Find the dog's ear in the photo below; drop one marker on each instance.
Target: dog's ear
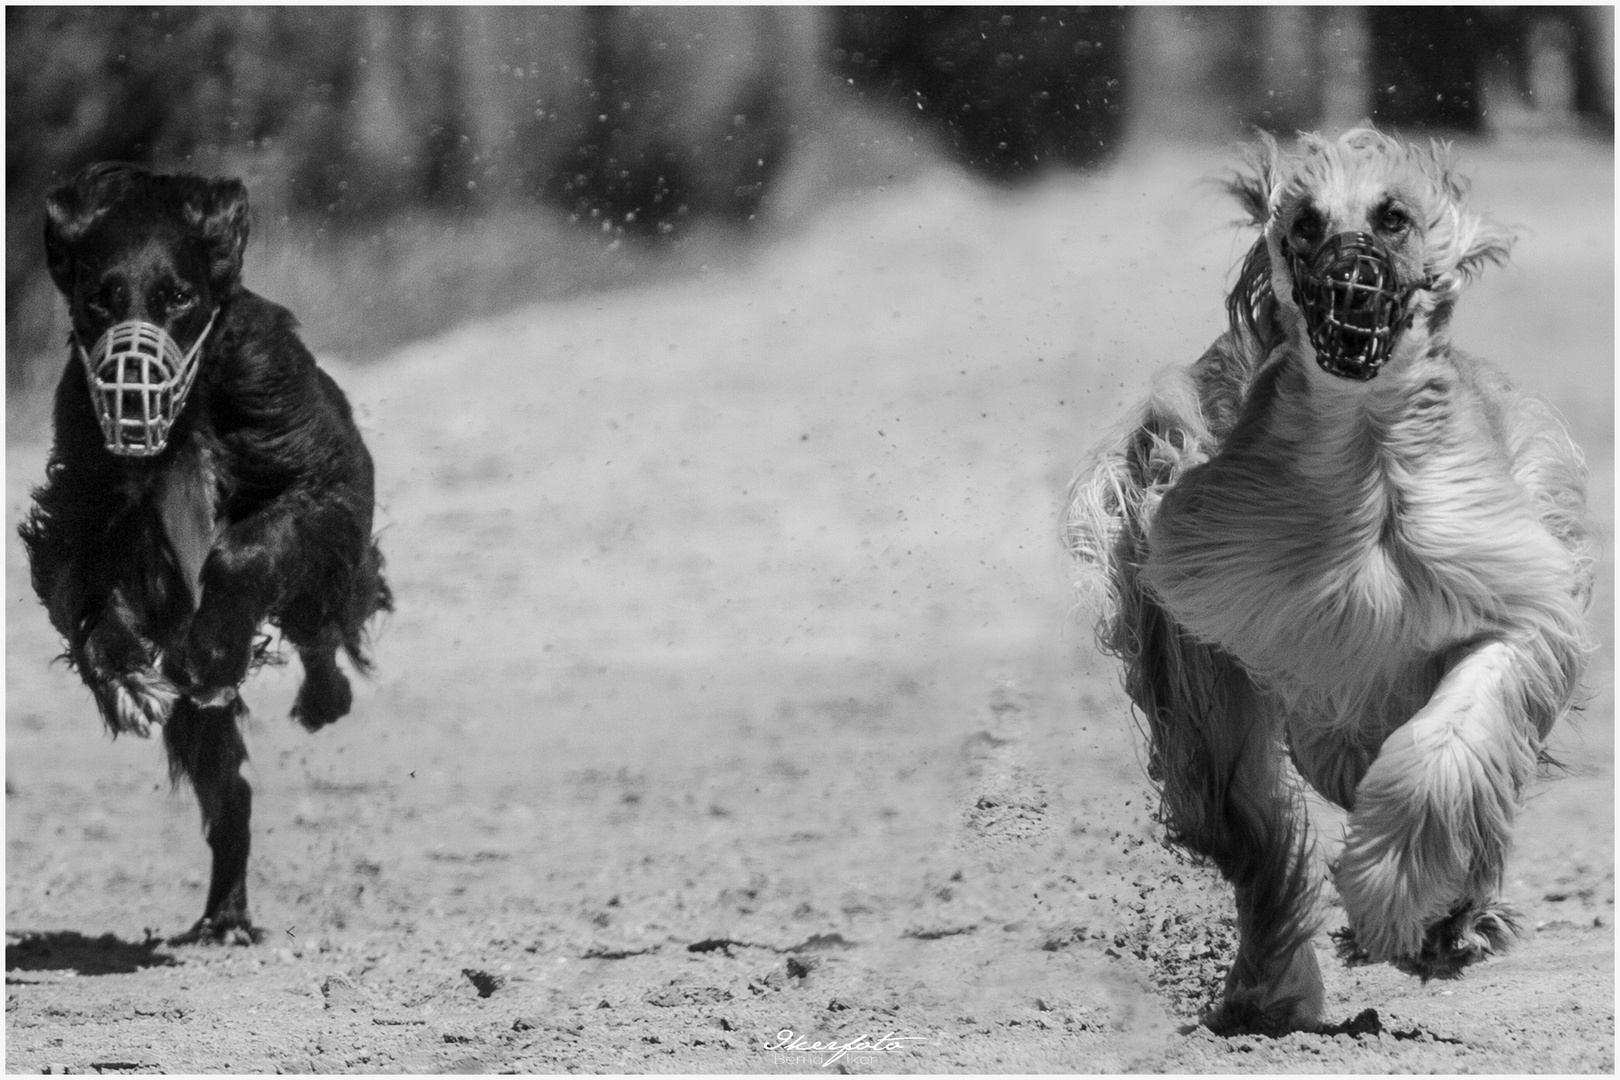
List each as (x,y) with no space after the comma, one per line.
(73,207)
(218,210)
(1467,241)
(65,222)
(1478,242)
(1252,183)
(1251,305)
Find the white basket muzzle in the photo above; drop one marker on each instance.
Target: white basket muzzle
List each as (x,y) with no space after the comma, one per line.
(139,380)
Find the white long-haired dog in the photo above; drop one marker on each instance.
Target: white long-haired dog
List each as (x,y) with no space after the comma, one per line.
(1337,537)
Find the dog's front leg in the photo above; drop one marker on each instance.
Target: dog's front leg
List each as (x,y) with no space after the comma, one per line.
(1432,822)
(240,582)
(115,660)
(1218,758)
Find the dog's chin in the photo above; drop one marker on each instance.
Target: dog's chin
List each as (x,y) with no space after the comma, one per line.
(1342,374)
(1350,370)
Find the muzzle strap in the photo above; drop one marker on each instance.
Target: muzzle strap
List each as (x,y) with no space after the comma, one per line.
(138,380)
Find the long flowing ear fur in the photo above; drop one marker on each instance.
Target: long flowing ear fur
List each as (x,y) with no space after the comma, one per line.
(1254,181)
(1477,241)
(1466,242)
(1250,306)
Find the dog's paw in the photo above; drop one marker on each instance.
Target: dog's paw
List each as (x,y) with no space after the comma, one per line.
(322,700)
(1253,1012)
(219,649)
(1348,949)
(1466,936)
(226,929)
(1469,934)
(211,665)
(1286,995)
(132,702)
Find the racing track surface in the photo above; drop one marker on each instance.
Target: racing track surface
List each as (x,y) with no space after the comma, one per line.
(735,689)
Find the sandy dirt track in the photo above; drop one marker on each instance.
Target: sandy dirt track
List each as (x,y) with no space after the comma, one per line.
(735,689)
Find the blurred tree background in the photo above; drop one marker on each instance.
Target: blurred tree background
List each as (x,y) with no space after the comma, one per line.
(414,166)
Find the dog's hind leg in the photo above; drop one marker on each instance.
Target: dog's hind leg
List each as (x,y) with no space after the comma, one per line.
(319,629)
(205,746)
(1432,823)
(1217,754)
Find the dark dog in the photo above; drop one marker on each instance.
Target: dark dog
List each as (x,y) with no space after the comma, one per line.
(206,477)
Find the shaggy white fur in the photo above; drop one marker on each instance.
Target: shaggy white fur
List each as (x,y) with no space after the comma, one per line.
(1388,578)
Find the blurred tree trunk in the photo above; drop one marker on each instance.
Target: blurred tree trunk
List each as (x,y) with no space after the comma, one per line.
(690,111)
(1597,39)
(1184,76)
(1014,91)
(1289,75)
(521,76)
(1346,75)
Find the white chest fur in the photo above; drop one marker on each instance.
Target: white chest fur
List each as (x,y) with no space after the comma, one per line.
(187,501)
(1344,538)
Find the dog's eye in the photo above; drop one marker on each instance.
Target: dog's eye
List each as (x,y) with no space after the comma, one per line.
(179,298)
(1394,220)
(99,302)
(1308,225)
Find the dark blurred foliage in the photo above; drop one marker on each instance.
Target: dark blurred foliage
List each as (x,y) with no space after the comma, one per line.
(1197,72)
(1012,90)
(689,111)
(348,117)
(349,121)
(1424,66)
(1507,41)
(1429,63)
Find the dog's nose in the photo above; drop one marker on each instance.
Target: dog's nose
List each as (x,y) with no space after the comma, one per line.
(1356,272)
(142,308)
(1361,277)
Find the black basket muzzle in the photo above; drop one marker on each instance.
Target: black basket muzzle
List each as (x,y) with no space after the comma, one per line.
(138,380)
(1352,301)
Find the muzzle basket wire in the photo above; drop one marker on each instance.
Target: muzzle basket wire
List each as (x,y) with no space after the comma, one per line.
(138,381)
(1352,302)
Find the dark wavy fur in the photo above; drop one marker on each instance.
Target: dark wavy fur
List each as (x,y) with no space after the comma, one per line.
(160,573)
(1224,799)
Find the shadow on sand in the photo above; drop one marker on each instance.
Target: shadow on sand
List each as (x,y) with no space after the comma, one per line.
(68,950)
